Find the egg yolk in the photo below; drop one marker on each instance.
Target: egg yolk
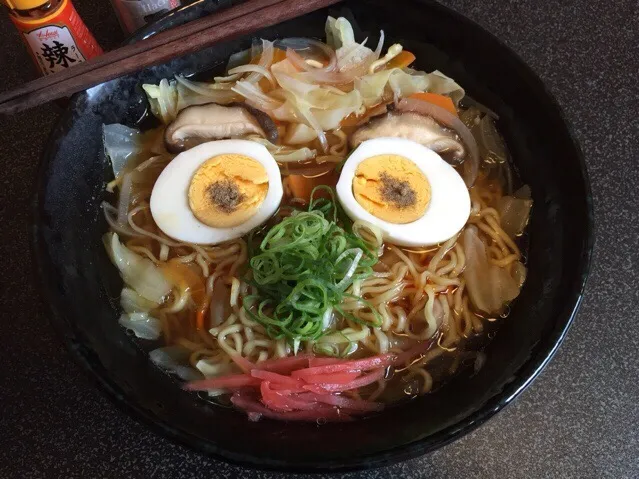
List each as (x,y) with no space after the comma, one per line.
(391,188)
(227,190)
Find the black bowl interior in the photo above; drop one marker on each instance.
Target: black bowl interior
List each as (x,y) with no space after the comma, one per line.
(82,287)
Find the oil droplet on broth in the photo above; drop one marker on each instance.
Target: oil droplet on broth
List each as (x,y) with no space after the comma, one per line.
(320,421)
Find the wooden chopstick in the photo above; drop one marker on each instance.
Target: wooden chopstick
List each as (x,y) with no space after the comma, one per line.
(231,23)
(154,41)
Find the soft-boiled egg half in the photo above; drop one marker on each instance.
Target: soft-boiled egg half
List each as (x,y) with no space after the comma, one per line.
(406,190)
(216,192)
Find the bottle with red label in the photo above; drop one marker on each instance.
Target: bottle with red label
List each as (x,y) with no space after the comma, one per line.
(53,31)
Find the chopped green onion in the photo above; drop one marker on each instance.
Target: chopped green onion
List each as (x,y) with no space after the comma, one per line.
(302,268)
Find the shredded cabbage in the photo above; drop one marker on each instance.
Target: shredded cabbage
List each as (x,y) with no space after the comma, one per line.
(132,302)
(142,325)
(139,273)
(121,143)
(163,99)
(349,53)
(514,213)
(443,85)
(168,98)
(490,287)
(175,359)
(339,32)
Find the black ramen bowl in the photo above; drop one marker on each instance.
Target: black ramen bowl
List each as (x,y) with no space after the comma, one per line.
(82,287)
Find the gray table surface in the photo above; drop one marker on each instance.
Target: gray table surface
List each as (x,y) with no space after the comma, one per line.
(579,419)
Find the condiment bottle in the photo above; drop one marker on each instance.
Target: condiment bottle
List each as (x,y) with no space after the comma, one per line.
(53,31)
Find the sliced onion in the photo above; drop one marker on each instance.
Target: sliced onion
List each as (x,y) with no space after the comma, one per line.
(313,171)
(228,78)
(447,119)
(212,90)
(380,45)
(110,214)
(258,70)
(255,96)
(301,44)
(265,62)
(240,58)
(296,156)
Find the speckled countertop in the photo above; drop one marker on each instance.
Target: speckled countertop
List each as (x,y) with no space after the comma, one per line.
(580,418)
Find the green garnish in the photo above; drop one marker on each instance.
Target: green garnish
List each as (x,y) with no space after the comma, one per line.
(302,269)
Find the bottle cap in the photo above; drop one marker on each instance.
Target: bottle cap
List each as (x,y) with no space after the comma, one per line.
(24,4)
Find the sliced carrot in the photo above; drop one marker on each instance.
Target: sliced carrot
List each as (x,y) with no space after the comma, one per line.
(302,186)
(199,318)
(402,60)
(439,100)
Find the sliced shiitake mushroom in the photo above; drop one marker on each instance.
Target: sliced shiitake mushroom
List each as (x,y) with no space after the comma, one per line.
(429,125)
(198,124)
(413,126)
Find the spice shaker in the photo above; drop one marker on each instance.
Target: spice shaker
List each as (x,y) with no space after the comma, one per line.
(53,31)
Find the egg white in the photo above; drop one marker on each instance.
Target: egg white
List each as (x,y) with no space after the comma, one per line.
(449,206)
(170,202)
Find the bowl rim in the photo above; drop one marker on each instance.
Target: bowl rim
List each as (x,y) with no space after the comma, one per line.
(544,350)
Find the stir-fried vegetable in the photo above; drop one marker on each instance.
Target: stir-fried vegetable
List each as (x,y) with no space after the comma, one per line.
(139,273)
(302,269)
(142,325)
(442,101)
(489,286)
(307,82)
(121,143)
